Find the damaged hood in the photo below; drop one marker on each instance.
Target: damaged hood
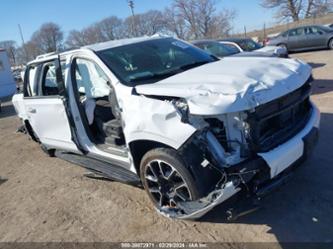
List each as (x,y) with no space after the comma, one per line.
(232,84)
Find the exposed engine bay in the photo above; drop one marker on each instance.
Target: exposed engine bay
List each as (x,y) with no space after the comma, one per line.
(226,150)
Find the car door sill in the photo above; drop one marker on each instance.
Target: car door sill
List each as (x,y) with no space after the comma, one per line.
(113,149)
(109,170)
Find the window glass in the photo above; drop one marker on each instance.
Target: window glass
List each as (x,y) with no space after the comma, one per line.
(285,34)
(232,48)
(220,50)
(248,45)
(326,29)
(296,32)
(90,79)
(153,60)
(49,81)
(313,31)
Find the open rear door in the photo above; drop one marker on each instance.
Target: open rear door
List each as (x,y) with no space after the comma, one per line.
(46,107)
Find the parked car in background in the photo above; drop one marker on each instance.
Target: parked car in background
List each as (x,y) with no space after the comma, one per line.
(305,38)
(223,49)
(160,113)
(215,48)
(249,45)
(7,83)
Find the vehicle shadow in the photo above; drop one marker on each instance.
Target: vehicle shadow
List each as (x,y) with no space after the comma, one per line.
(316,65)
(307,51)
(2,180)
(301,210)
(320,86)
(7,110)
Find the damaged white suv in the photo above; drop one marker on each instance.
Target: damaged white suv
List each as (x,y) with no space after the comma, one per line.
(191,129)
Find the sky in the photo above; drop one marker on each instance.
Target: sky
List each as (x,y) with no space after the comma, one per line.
(77,14)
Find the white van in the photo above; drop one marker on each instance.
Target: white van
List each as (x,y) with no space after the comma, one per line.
(7,83)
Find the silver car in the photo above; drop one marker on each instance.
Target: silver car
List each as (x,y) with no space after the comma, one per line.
(222,49)
(304,38)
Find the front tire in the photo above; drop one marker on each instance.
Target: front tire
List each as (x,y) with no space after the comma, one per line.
(166,178)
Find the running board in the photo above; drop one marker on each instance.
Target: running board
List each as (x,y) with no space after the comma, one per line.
(107,170)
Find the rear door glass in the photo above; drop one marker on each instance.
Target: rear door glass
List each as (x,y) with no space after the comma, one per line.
(296,32)
(49,86)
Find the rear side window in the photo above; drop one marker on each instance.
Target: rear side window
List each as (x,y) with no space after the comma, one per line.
(49,86)
(41,80)
(313,31)
(296,32)
(285,34)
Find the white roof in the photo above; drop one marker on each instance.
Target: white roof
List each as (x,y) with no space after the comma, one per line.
(98,47)
(122,42)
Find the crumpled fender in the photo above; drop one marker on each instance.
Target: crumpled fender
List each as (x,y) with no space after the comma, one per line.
(196,209)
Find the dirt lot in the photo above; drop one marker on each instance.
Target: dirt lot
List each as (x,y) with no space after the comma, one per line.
(47,199)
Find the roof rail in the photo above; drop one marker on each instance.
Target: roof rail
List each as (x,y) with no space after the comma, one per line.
(45,55)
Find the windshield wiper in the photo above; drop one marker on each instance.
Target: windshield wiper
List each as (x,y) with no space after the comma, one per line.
(193,65)
(154,76)
(163,75)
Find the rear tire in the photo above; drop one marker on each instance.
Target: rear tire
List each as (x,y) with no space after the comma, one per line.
(166,179)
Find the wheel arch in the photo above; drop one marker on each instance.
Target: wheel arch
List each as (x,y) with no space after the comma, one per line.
(192,156)
(329,41)
(139,148)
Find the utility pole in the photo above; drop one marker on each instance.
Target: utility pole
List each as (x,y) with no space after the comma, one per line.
(131,5)
(24,48)
(21,34)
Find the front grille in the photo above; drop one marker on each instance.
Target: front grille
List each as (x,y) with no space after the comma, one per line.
(276,122)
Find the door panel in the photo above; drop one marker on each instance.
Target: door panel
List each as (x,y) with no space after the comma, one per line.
(49,121)
(315,37)
(297,39)
(44,103)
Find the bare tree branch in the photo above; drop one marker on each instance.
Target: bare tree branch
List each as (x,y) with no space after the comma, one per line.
(297,9)
(48,38)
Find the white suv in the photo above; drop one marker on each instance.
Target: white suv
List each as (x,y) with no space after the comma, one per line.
(191,129)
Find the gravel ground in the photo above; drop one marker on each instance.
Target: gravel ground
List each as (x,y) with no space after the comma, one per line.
(47,199)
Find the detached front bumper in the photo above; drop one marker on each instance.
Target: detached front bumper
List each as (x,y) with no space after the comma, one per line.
(278,163)
(286,154)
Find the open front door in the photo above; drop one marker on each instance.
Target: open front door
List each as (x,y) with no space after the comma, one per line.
(46,108)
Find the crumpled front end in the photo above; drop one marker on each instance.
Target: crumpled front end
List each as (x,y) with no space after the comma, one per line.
(197,209)
(250,150)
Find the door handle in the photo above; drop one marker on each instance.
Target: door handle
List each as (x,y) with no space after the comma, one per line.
(32,110)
